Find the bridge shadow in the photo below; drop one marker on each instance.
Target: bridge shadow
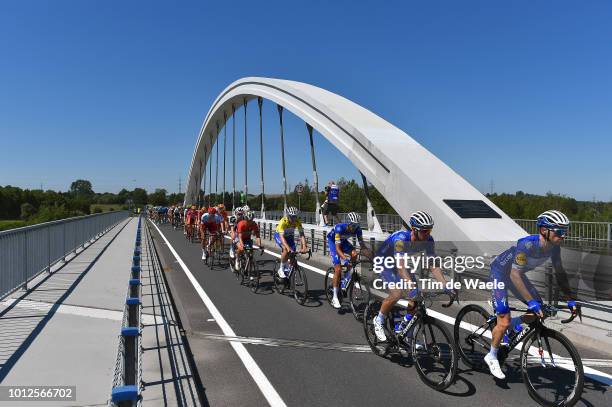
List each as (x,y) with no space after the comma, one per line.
(26,316)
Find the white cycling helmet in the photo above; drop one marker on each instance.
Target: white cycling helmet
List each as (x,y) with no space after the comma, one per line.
(249,215)
(421,220)
(238,211)
(353,217)
(246,208)
(553,219)
(292,211)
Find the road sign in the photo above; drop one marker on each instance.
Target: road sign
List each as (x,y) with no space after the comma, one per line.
(299,188)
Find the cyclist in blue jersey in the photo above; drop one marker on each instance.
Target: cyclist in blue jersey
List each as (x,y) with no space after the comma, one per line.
(510,267)
(416,240)
(330,205)
(342,251)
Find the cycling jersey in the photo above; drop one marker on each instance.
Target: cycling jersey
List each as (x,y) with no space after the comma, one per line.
(208,219)
(246,228)
(287,228)
(333,194)
(340,235)
(400,243)
(526,255)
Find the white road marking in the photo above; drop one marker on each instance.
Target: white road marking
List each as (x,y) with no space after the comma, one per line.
(256,373)
(76,310)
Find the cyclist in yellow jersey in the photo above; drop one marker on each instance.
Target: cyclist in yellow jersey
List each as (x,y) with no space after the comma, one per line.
(284,237)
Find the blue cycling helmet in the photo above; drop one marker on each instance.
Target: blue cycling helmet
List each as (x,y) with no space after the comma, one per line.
(553,219)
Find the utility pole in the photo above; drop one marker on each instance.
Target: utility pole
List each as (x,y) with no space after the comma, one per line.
(179,185)
(492,186)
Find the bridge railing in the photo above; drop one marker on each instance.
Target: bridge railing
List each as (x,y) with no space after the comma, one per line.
(127,378)
(28,251)
(578,231)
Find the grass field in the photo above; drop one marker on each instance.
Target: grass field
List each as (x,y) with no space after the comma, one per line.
(11,224)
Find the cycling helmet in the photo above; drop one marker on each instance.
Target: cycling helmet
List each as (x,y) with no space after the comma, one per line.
(239,211)
(212,211)
(246,208)
(249,215)
(232,220)
(292,211)
(353,217)
(553,219)
(421,220)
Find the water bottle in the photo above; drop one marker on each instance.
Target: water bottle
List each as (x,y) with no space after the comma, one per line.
(397,321)
(404,321)
(345,280)
(514,328)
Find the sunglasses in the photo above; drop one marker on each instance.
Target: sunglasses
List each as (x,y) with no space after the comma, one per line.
(559,232)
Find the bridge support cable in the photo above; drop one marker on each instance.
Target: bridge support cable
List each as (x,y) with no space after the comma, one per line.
(233,157)
(282,138)
(246,177)
(373,224)
(318,217)
(201,193)
(261,158)
(210,171)
(217,166)
(224,151)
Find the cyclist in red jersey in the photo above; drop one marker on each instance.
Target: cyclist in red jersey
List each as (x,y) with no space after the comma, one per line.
(246,228)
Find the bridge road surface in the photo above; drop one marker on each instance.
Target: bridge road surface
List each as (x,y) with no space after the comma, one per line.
(307,375)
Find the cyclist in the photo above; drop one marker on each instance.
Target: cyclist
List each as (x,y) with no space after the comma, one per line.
(221,210)
(210,222)
(412,241)
(284,237)
(190,221)
(510,267)
(245,229)
(341,250)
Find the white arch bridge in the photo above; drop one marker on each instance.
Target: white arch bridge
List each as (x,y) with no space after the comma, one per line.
(406,174)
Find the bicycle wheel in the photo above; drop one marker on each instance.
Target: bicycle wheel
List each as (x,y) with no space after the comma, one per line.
(279,283)
(370,312)
(299,284)
(238,271)
(552,371)
(472,335)
(359,296)
(253,273)
(329,288)
(434,353)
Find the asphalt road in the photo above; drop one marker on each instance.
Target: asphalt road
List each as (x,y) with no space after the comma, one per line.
(308,355)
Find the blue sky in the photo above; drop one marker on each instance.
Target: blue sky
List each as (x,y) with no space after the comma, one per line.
(115,92)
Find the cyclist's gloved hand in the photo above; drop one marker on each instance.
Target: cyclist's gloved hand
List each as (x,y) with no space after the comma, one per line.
(534,305)
(346,261)
(571,304)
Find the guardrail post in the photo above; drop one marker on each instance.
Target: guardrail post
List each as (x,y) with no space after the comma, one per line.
(130,336)
(64,242)
(324,244)
(133,303)
(49,248)
(312,240)
(25,260)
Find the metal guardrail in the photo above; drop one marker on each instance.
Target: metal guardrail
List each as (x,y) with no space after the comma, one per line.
(26,252)
(578,231)
(127,378)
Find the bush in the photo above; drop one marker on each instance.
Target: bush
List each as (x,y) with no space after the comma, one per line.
(97,209)
(27,210)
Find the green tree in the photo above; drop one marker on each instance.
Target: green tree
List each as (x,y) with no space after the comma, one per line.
(139,196)
(81,188)
(27,210)
(158,198)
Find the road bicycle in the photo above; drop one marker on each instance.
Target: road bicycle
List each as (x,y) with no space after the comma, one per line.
(550,364)
(423,337)
(295,280)
(352,285)
(248,270)
(215,249)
